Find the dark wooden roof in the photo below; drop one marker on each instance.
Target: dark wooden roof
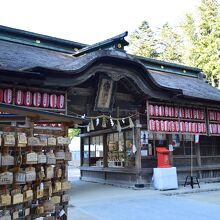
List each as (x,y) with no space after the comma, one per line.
(15,56)
(54,68)
(39,40)
(191,87)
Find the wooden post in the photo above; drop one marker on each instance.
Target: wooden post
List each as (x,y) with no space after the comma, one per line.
(137,142)
(198,157)
(105,151)
(81,151)
(169,141)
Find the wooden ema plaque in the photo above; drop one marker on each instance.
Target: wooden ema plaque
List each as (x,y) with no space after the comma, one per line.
(17,198)
(52,141)
(5,200)
(21,140)
(6,178)
(7,160)
(31,158)
(9,140)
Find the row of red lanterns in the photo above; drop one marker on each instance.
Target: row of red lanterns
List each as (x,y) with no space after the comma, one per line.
(176,126)
(35,99)
(214,116)
(214,128)
(175,112)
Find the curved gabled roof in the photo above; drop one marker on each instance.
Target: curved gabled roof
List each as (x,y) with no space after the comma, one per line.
(53,67)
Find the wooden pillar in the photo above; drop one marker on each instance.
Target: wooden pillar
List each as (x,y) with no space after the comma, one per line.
(81,151)
(105,151)
(198,157)
(137,142)
(169,141)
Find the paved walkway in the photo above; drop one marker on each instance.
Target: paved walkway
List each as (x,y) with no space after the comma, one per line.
(93,201)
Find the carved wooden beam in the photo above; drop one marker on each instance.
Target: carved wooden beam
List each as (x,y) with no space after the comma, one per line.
(85,92)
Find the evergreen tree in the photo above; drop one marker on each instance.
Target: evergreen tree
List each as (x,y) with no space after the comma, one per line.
(207,46)
(190,37)
(142,41)
(198,45)
(170,44)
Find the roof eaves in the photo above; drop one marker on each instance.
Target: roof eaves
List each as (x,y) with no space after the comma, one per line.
(111,42)
(168,67)
(38,40)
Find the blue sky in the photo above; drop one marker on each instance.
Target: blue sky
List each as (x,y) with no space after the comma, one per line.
(90,21)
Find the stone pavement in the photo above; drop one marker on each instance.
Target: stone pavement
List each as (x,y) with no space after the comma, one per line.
(93,201)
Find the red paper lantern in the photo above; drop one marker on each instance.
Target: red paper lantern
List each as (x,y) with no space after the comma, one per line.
(166,126)
(218,128)
(182,126)
(194,127)
(199,128)
(204,127)
(156,110)
(152,125)
(19,97)
(195,113)
(182,113)
(190,126)
(27,98)
(1,95)
(214,128)
(210,129)
(202,114)
(45,100)
(190,113)
(8,96)
(162,125)
(176,112)
(218,116)
(37,99)
(171,126)
(157,125)
(161,111)
(177,127)
(171,112)
(166,111)
(215,116)
(60,101)
(53,101)
(187,113)
(151,110)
